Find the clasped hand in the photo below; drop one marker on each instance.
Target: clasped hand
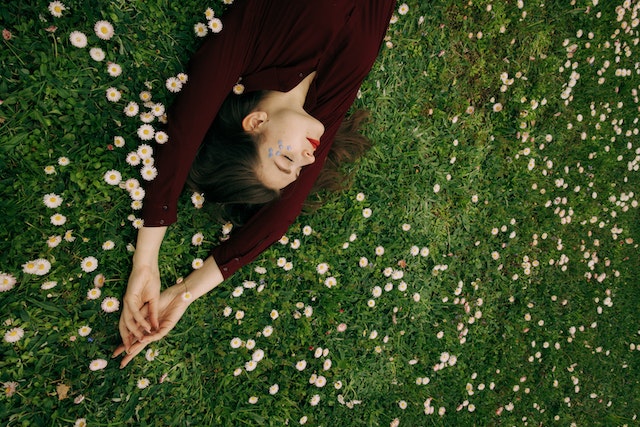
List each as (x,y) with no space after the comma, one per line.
(148,315)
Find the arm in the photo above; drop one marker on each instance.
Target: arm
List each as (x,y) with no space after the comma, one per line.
(172,304)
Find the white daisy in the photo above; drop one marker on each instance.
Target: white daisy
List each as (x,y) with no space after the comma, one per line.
(78,39)
(200,29)
(104,30)
(215,25)
(52,200)
(89,264)
(97,54)
(7,282)
(146,132)
(114,69)
(113,94)
(113,177)
(173,84)
(131,110)
(56,8)
(110,304)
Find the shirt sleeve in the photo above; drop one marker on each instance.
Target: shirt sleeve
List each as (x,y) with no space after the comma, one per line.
(337,89)
(212,73)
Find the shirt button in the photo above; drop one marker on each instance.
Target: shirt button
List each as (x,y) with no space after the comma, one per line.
(165,208)
(224,269)
(162,221)
(301,74)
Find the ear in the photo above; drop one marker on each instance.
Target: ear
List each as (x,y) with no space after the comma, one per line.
(253,122)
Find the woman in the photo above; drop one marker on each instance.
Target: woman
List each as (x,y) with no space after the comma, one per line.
(307,59)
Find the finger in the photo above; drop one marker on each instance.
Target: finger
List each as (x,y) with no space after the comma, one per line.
(141,321)
(132,326)
(118,351)
(157,335)
(133,352)
(152,306)
(124,333)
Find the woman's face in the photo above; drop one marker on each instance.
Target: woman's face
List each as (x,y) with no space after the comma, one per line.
(286,144)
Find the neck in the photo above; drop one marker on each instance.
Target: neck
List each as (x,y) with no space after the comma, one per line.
(295,97)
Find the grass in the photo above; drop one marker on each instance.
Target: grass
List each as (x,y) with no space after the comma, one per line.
(510,231)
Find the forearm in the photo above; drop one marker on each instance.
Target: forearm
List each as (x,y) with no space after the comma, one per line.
(202,280)
(148,246)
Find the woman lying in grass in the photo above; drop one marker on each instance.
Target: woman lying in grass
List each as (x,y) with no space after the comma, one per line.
(251,130)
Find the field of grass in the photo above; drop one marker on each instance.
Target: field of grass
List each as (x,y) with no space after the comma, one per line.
(482,270)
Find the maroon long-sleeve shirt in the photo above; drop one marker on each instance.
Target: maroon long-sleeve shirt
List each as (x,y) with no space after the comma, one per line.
(268,45)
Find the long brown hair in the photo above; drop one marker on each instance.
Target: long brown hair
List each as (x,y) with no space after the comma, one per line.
(224,169)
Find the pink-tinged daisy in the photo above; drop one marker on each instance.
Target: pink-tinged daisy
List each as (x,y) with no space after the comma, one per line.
(78,39)
(133,159)
(187,296)
(113,94)
(303,420)
(80,422)
(342,327)
(14,335)
(250,365)
(7,282)
(143,383)
(363,262)
(99,280)
(236,343)
(301,365)
(52,200)
(497,107)
(330,282)
(118,141)
(257,355)
(98,364)
(267,331)
(54,241)
(104,30)
(108,245)
(146,133)
(114,69)
(253,400)
(161,137)
(97,54)
(183,77)
(148,173)
(84,331)
(379,251)
(274,389)
(215,25)
(250,344)
(173,84)
(131,110)
(200,29)
(315,400)
(94,293)
(274,314)
(110,304)
(320,381)
(197,263)
(9,388)
(403,9)
(56,8)
(113,177)
(63,161)
(58,219)
(89,264)
(48,285)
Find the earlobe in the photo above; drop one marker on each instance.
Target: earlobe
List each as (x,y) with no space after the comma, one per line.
(253,122)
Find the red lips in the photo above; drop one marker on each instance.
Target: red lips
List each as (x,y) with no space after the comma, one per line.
(314,142)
